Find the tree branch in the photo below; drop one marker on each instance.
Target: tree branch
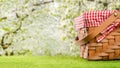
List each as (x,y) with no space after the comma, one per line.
(5,45)
(43,2)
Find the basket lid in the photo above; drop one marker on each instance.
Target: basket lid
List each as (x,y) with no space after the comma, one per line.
(94,19)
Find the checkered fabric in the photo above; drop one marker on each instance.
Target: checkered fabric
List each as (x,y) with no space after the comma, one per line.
(94,19)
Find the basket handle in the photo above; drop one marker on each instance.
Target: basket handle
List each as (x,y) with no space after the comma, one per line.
(106,23)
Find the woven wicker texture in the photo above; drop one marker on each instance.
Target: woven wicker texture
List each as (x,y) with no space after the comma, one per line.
(107,49)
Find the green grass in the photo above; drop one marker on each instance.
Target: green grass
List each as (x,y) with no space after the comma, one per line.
(54,62)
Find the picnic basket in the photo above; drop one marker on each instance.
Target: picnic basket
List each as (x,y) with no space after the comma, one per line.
(108,48)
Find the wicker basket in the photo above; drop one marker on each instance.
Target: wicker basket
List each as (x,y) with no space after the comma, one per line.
(107,49)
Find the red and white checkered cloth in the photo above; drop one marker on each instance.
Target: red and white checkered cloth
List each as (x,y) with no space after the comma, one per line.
(95,18)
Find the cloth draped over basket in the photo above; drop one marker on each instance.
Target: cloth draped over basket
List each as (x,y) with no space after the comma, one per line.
(94,19)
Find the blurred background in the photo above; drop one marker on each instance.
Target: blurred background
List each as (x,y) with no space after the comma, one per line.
(44,27)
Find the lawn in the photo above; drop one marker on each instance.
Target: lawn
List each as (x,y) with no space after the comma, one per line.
(54,62)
